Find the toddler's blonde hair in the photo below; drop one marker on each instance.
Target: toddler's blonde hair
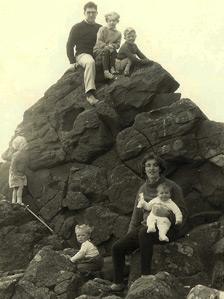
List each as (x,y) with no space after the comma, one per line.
(84,228)
(128,31)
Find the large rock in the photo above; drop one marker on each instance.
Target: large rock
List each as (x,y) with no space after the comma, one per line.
(138,91)
(89,138)
(75,201)
(181,259)
(90,180)
(49,275)
(124,184)
(84,166)
(168,130)
(20,234)
(7,285)
(17,249)
(102,219)
(61,127)
(159,286)
(211,141)
(97,287)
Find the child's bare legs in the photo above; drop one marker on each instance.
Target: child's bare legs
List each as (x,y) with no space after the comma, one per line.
(151,223)
(163,225)
(113,55)
(127,67)
(123,65)
(106,64)
(19,195)
(14,194)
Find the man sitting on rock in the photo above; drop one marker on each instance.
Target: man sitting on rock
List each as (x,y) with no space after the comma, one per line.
(83,38)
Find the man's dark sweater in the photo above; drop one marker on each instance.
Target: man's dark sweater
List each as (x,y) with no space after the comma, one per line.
(83,37)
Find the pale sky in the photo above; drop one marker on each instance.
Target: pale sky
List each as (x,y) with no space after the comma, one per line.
(185,36)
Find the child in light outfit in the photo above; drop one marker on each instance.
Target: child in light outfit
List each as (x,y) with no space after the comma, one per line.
(129,54)
(156,206)
(17,177)
(88,257)
(108,41)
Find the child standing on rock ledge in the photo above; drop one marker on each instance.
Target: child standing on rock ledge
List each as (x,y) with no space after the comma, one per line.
(17,177)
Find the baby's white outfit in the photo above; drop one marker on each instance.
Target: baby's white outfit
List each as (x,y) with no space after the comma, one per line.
(163,223)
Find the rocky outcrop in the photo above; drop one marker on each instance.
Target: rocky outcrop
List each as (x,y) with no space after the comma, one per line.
(159,286)
(20,235)
(218,265)
(7,285)
(84,166)
(181,259)
(49,275)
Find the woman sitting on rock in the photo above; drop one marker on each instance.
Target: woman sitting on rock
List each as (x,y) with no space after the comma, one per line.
(137,236)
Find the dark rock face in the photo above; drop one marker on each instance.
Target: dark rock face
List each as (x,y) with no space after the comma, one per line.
(90,180)
(7,285)
(181,259)
(102,219)
(19,234)
(49,275)
(75,201)
(84,166)
(123,187)
(21,237)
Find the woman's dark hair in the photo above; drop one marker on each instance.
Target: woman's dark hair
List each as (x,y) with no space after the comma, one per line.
(152,156)
(90,5)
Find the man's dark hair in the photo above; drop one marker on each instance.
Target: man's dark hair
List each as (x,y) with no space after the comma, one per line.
(90,5)
(152,156)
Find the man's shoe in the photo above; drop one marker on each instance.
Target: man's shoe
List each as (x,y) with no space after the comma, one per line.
(117,287)
(91,99)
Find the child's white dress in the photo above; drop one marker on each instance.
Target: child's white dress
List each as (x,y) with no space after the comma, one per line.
(17,177)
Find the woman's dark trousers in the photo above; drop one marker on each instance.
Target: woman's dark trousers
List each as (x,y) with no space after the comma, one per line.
(132,241)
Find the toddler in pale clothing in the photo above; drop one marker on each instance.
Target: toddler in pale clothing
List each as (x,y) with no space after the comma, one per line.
(156,206)
(17,177)
(108,41)
(88,256)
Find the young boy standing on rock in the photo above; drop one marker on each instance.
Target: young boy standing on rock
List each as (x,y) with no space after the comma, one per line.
(129,54)
(108,41)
